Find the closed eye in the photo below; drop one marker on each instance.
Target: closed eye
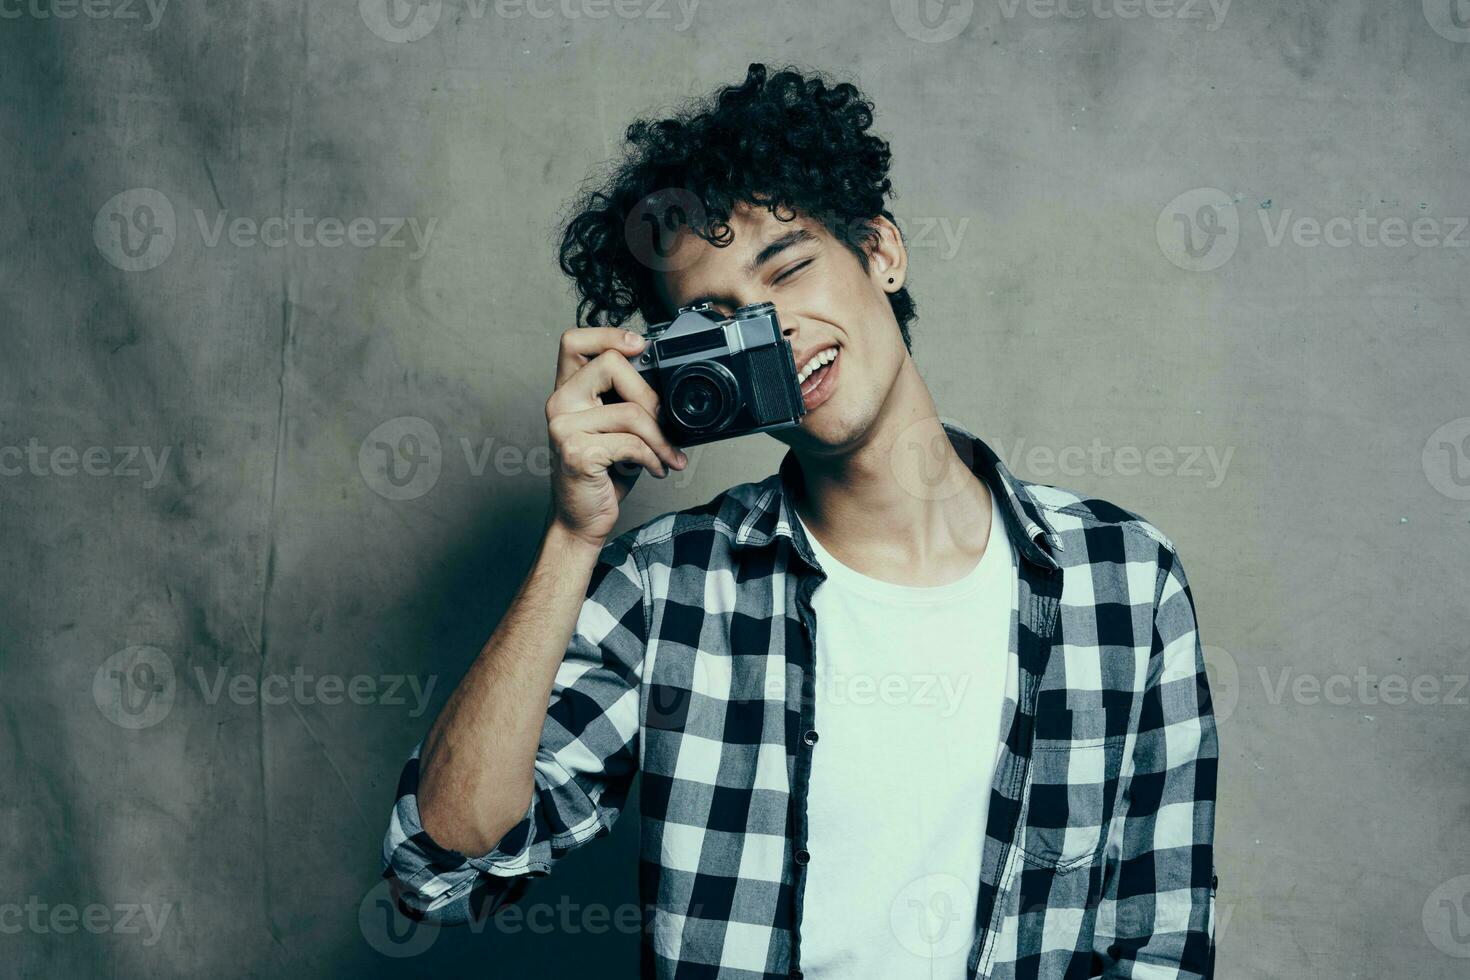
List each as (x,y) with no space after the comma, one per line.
(787,274)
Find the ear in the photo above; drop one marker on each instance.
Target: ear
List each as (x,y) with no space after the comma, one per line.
(887,256)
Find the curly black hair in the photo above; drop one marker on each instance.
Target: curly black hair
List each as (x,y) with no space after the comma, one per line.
(791,143)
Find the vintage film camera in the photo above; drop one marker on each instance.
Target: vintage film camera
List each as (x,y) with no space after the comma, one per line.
(720,378)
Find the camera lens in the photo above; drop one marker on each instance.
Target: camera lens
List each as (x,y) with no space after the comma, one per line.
(697,398)
(703,396)
(753,310)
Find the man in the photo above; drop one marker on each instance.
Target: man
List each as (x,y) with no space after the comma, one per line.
(897,712)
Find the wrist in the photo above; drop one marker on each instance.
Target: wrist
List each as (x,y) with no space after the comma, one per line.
(562,539)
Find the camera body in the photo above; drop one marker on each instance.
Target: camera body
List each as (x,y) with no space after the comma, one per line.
(719,378)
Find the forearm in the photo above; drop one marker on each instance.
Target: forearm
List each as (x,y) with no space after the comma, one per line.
(477,764)
(1161,897)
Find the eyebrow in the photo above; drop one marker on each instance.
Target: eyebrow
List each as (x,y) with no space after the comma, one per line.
(792,238)
(797,236)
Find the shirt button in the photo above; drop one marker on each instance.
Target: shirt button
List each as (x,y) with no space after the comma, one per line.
(810,738)
(803,856)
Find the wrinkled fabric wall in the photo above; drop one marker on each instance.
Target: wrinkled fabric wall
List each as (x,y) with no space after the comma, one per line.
(279,307)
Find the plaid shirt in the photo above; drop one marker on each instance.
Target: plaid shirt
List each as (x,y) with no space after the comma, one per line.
(692,661)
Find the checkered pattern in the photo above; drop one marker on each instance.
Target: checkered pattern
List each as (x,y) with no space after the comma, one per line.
(692,661)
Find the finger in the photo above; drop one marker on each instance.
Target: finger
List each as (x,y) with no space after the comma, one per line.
(580,344)
(608,371)
(634,418)
(594,454)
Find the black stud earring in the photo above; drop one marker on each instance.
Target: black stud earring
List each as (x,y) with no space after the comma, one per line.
(890,280)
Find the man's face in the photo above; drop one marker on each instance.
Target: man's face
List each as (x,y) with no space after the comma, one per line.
(826,302)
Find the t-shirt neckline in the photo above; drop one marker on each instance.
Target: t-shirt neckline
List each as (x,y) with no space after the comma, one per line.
(875,588)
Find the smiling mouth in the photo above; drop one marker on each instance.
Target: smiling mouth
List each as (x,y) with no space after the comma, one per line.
(818,360)
(816,386)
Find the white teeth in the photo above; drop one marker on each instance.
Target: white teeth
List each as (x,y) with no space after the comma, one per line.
(825,357)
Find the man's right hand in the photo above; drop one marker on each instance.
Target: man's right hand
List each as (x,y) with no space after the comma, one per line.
(588,437)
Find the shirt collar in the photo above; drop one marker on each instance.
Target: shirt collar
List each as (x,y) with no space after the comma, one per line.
(1031,534)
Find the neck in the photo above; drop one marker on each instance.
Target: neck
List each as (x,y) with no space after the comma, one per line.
(902,500)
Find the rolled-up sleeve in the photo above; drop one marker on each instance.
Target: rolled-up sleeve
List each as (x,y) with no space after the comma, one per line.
(1156,918)
(584,763)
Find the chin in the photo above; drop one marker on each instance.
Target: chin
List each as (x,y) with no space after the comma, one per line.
(824,429)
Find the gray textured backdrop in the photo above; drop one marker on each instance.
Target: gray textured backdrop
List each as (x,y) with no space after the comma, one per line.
(217,600)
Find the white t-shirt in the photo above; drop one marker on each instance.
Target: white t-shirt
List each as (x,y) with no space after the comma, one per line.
(909,690)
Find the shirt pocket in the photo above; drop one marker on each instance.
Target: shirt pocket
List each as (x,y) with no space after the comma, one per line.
(1072,789)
